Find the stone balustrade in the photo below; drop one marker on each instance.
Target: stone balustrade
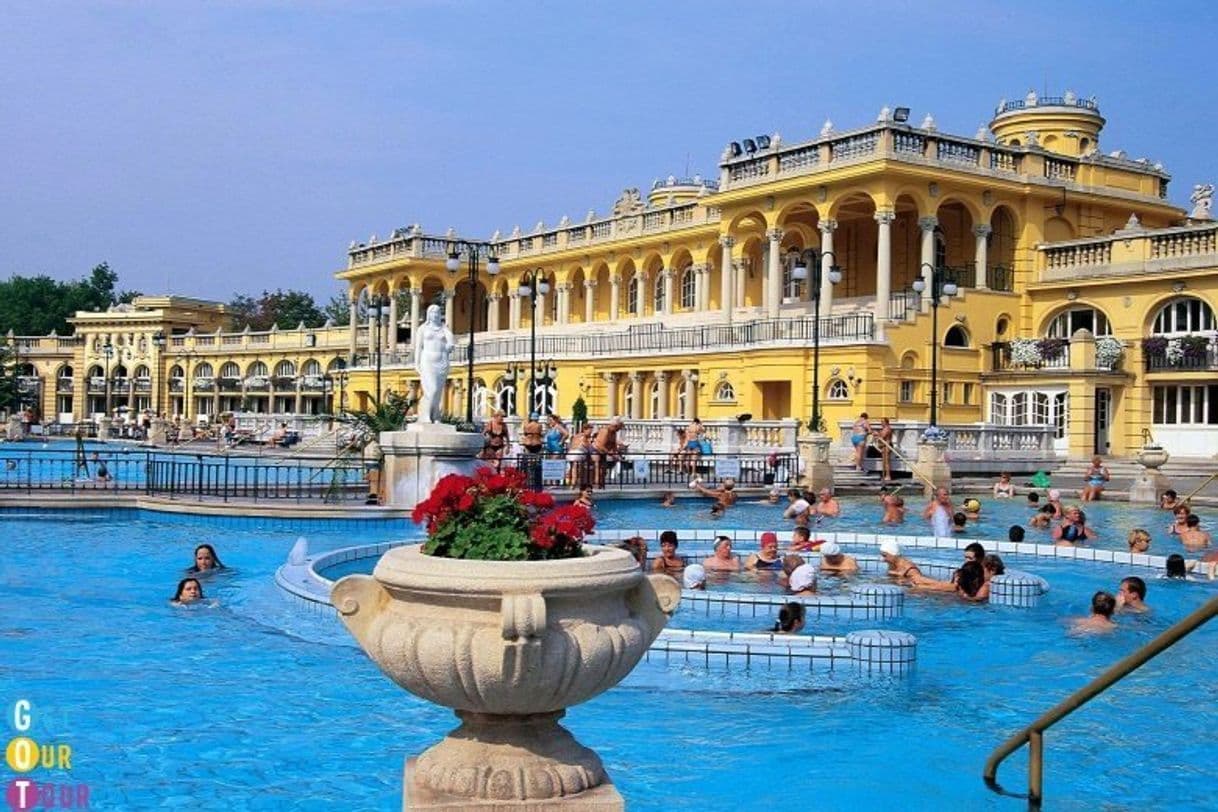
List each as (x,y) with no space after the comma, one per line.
(1130,251)
(725,436)
(972,441)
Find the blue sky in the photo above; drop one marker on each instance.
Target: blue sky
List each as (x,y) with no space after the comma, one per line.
(214,148)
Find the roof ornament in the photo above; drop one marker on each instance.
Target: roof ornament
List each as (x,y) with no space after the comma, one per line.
(827,128)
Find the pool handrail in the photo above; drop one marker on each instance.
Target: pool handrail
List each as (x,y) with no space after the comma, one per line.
(1033,734)
(912,469)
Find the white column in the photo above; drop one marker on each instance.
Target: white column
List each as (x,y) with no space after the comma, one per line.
(743,266)
(492,312)
(883,269)
(928,225)
(662,395)
(982,234)
(589,301)
(727,283)
(416,302)
(699,286)
(774,274)
(564,303)
(615,283)
(354,327)
(391,334)
(372,316)
(540,311)
(636,404)
(691,393)
(610,379)
(448,308)
(514,310)
(827,260)
(667,272)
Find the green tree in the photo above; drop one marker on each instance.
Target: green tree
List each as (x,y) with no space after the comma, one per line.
(9,396)
(285,309)
(36,305)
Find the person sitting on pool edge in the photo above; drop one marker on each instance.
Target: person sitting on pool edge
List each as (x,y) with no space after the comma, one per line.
(790,618)
(1131,596)
(694,577)
(1004,488)
(189,591)
(722,559)
(1103,604)
(834,562)
(206,559)
(802,582)
(767,558)
(668,561)
(1094,480)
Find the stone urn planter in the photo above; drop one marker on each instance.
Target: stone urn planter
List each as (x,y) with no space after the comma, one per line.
(1152,456)
(508,646)
(1150,482)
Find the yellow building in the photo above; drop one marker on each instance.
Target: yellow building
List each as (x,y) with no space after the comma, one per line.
(685,301)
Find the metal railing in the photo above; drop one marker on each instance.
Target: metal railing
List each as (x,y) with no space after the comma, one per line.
(1033,734)
(182,475)
(671,471)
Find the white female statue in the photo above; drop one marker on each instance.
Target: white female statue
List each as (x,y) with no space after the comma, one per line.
(432,346)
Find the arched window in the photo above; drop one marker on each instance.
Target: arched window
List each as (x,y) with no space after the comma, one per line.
(628,399)
(658,292)
(725,391)
(482,402)
(143,372)
(1066,323)
(1183,316)
(957,336)
(653,399)
(119,372)
(505,396)
(791,288)
(335,365)
(311,367)
(545,397)
(689,288)
(256,370)
(204,370)
(230,370)
(632,296)
(682,412)
(176,371)
(838,390)
(285,369)
(65,372)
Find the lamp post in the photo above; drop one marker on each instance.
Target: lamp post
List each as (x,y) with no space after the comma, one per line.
(531,285)
(376,304)
(342,385)
(472,250)
(808,266)
(158,341)
(942,283)
(108,351)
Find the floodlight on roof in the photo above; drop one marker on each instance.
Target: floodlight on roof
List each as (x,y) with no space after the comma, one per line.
(900,114)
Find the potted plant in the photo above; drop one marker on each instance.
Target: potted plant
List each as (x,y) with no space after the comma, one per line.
(506,616)
(1108,351)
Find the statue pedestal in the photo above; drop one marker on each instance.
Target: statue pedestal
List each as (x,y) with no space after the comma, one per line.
(931,464)
(417,458)
(601,798)
(1150,483)
(158,432)
(814,456)
(13,430)
(103,427)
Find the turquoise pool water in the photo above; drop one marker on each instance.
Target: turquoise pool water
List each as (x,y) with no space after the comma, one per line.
(256,704)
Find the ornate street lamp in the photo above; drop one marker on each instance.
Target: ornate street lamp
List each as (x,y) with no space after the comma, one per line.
(810,259)
(376,304)
(942,284)
(531,285)
(158,341)
(472,251)
(108,351)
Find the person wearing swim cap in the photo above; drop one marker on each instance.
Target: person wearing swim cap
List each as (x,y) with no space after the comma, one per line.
(694,577)
(972,509)
(834,562)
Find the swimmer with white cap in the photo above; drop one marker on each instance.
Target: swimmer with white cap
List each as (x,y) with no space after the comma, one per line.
(694,577)
(834,561)
(803,580)
(899,566)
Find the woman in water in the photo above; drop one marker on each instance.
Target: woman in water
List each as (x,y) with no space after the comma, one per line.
(768,558)
(189,591)
(206,559)
(790,618)
(1139,541)
(1073,529)
(668,561)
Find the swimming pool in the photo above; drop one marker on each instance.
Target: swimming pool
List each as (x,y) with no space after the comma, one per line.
(254,704)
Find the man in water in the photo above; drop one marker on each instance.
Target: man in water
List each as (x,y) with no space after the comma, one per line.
(1131,596)
(939,510)
(1103,605)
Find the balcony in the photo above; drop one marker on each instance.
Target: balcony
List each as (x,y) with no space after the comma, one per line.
(97,386)
(1193,353)
(29,384)
(64,385)
(229,384)
(1052,355)
(177,385)
(284,382)
(204,384)
(143,385)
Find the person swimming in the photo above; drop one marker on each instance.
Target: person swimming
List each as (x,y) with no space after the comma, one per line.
(189,591)
(206,560)
(790,618)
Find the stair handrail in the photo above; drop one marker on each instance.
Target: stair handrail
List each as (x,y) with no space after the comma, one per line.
(912,469)
(1200,487)
(1033,734)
